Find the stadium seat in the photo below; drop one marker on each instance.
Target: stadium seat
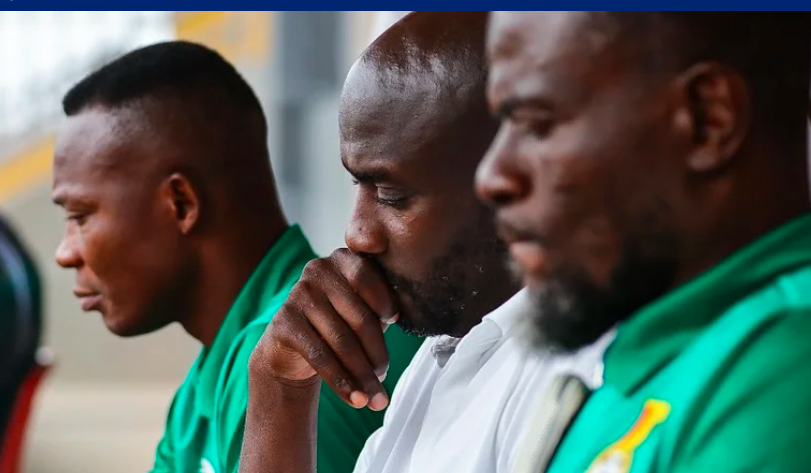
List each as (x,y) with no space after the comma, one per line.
(20,332)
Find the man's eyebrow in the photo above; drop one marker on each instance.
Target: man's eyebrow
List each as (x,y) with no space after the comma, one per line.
(75,197)
(370,176)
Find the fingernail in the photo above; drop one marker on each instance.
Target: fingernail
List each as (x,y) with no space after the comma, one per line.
(382,377)
(392,319)
(358,399)
(378,402)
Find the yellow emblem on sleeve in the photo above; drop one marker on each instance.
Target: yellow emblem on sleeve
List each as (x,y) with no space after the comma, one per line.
(617,457)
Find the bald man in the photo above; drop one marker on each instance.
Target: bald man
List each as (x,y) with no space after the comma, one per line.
(163,171)
(422,251)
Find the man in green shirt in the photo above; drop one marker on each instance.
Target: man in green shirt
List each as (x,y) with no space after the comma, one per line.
(172,216)
(650,172)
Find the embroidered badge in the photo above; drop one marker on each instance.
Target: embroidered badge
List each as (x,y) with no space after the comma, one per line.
(617,457)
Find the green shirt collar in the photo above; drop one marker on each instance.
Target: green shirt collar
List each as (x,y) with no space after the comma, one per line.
(657,333)
(276,273)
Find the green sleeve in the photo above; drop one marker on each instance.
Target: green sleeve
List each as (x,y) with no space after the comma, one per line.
(757,417)
(165,454)
(343,430)
(231,401)
(164,457)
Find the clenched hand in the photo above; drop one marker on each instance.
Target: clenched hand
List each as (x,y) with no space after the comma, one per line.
(331,328)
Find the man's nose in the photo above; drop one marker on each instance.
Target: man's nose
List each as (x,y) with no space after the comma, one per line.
(498,180)
(66,254)
(364,235)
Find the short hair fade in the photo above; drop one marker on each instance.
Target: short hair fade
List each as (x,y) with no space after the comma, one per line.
(172,67)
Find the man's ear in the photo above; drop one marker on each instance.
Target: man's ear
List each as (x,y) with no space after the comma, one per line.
(715,114)
(183,201)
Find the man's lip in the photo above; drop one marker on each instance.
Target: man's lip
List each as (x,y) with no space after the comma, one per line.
(89,303)
(81,292)
(530,256)
(510,234)
(88,300)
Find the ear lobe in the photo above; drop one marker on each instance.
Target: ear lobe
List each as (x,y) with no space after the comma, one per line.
(718,111)
(184,202)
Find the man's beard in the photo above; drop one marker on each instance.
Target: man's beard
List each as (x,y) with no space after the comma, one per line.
(439,302)
(573,312)
(443,301)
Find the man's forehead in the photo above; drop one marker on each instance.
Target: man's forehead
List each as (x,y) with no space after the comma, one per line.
(388,115)
(546,51)
(374,92)
(96,141)
(536,33)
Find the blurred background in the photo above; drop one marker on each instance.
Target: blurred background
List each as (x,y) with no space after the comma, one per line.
(102,407)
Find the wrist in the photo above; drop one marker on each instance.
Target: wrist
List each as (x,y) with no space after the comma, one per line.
(277,389)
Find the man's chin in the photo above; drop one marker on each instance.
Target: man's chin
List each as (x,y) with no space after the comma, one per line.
(413,326)
(126,328)
(564,320)
(421,325)
(562,335)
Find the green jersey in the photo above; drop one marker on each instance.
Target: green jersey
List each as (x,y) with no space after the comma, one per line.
(712,377)
(206,421)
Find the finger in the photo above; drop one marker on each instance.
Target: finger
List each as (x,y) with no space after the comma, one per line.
(367,279)
(345,343)
(385,325)
(363,321)
(305,340)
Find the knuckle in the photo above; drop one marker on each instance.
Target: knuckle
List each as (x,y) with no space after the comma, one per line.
(314,269)
(343,342)
(303,289)
(342,384)
(300,298)
(318,357)
(280,323)
(356,273)
(367,317)
(340,254)
(364,319)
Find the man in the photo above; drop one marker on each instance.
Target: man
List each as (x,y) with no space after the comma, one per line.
(650,170)
(162,168)
(424,252)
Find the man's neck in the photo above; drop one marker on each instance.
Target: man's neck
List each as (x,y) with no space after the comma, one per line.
(756,213)
(227,266)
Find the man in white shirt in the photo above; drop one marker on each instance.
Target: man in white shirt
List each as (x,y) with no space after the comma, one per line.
(463,402)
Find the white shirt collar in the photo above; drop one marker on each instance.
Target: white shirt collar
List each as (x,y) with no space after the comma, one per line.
(493,327)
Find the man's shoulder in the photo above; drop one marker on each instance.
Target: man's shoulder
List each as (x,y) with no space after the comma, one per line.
(774,349)
(766,322)
(763,383)
(249,336)
(759,343)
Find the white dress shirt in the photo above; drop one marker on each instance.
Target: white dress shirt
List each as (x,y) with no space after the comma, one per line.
(462,404)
